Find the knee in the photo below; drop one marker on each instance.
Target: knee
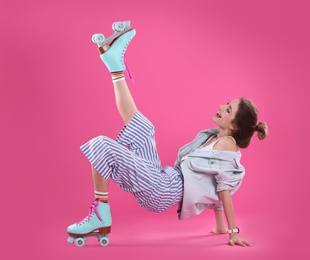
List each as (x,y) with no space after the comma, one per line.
(104,140)
(100,143)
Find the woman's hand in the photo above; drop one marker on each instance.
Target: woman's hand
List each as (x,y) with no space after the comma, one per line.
(236,240)
(219,230)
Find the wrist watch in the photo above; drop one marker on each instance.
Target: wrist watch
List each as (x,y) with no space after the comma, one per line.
(234,230)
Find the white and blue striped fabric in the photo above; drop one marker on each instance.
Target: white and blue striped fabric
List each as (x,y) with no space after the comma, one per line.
(133,163)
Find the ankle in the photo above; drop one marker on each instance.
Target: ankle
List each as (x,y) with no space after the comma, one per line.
(102,196)
(117,76)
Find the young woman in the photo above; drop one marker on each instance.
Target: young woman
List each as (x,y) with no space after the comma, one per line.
(205,175)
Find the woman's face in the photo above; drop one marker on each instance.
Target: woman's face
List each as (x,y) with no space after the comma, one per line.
(226,114)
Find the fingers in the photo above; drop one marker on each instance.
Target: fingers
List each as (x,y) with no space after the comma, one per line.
(240,242)
(231,242)
(217,231)
(248,243)
(214,231)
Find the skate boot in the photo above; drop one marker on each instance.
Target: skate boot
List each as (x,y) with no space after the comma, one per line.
(112,49)
(97,223)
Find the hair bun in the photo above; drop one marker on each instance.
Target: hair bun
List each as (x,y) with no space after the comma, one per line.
(262,130)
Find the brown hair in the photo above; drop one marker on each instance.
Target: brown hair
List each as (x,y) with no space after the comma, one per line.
(246,124)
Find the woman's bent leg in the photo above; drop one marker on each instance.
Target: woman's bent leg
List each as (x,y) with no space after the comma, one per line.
(154,189)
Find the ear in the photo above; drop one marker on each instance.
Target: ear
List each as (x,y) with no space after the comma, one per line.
(233,128)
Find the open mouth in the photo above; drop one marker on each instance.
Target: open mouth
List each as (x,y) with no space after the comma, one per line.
(218,114)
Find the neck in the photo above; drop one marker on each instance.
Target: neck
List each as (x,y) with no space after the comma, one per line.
(223,133)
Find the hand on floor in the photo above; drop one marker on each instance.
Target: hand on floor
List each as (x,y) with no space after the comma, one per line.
(219,231)
(236,240)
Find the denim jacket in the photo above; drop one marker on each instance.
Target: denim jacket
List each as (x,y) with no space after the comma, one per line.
(206,173)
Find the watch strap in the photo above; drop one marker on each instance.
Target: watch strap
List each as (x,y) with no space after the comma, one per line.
(234,230)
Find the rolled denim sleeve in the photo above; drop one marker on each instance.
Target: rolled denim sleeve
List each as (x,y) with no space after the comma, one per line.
(228,180)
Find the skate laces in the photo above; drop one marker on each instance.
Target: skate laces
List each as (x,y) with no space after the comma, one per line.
(126,65)
(128,71)
(92,209)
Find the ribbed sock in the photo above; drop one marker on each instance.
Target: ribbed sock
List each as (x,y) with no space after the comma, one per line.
(117,76)
(103,196)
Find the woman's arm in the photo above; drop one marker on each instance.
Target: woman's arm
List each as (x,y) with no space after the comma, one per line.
(225,197)
(219,220)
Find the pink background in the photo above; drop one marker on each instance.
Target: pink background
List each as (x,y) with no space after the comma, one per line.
(187,58)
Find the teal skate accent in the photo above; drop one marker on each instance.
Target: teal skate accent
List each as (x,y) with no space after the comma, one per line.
(70,240)
(113,58)
(99,218)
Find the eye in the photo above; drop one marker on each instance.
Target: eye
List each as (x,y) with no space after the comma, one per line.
(228,108)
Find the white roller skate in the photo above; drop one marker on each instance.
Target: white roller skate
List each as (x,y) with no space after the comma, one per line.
(97,223)
(113,48)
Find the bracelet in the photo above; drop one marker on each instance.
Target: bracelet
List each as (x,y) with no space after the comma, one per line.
(234,230)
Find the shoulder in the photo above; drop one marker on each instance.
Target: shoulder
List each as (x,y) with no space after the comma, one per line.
(226,143)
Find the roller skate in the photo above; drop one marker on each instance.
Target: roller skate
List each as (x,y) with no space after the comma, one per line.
(97,224)
(113,48)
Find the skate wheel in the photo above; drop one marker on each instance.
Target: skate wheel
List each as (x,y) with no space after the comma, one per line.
(80,241)
(98,38)
(119,26)
(104,241)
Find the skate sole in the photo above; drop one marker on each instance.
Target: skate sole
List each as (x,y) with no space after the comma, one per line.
(102,231)
(102,51)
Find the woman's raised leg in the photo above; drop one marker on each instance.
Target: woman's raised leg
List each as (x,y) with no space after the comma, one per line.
(124,101)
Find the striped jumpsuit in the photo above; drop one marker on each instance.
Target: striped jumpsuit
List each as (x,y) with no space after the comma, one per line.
(133,163)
